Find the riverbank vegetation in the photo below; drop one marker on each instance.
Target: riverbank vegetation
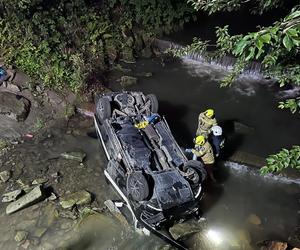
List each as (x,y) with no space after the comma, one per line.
(276,47)
(66,44)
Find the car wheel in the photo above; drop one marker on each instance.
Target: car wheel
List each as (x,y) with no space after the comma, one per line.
(103,109)
(153,101)
(137,186)
(196,166)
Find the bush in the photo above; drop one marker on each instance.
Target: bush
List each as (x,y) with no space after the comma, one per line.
(284,159)
(61,43)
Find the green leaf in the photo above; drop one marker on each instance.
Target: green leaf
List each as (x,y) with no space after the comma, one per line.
(240,47)
(287,42)
(266,38)
(292,32)
(251,54)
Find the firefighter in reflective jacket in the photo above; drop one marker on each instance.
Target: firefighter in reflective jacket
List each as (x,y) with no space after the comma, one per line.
(204,150)
(206,122)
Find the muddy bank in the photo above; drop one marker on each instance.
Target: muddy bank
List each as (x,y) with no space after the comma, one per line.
(57,221)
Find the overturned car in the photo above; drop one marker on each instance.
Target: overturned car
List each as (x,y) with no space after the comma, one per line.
(145,164)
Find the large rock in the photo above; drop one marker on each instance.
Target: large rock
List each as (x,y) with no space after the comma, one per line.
(34,196)
(79,198)
(254,219)
(116,211)
(14,106)
(126,81)
(20,236)
(4,176)
(11,196)
(75,156)
(185,229)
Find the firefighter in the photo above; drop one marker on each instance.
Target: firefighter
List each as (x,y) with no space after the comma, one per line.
(206,121)
(204,150)
(216,139)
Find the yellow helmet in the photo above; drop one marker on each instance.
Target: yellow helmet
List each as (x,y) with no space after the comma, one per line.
(200,140)
(209,113)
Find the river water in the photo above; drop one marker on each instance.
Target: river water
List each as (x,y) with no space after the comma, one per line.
(185,88)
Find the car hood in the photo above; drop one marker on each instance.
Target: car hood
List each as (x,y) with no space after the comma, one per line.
(171,189)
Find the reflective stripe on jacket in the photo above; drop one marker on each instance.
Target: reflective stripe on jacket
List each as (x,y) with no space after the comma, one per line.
(205,152)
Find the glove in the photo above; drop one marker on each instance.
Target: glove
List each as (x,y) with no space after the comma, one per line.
(188,150)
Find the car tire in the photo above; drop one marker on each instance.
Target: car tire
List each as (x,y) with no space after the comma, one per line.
(137,186)
(153,101)
(198,167)
(103,109)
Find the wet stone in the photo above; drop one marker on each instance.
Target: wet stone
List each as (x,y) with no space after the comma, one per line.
(23,186)
(4,176)
(126,81)
(254,219)
(3,144)
(25,245)
(183,230)
(21,235)
(145,74)
(39,181)
(13,106)
(32,197)
(79,198)
(11,196)
(75,156)
(68,215)
(116,211)
(52,197)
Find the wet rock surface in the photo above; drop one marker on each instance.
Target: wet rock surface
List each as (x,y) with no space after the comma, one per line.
(185,229)
(78,198)
(4,176)
(14,106)
(126,81)
(11,196)
(75,156)
(37,162)
(32,197)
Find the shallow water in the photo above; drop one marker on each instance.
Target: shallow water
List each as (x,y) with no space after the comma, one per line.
(185,88)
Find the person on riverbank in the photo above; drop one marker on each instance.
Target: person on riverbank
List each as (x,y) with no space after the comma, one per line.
(206,121)
(6,74)
(216,139)
(202,149)
(3,75)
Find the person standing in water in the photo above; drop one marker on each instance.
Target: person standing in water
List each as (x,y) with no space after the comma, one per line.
(202,149)
(206,121)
